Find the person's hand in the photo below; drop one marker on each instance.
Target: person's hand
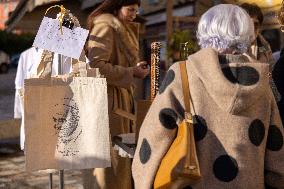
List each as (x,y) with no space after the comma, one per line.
(141,70)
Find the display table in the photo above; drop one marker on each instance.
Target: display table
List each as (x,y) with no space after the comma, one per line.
(125,144)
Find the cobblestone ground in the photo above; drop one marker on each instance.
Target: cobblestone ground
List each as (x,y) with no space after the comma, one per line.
(12,161)
(14,176)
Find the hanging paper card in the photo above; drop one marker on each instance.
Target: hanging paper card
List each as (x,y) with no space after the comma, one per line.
(69,43)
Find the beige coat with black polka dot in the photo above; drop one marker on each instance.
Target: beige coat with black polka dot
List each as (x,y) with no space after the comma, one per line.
(238,131)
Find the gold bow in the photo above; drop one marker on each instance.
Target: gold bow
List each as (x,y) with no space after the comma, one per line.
(280,17)
(62,13)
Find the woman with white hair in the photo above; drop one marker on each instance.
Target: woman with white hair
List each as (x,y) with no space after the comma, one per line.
(237,128)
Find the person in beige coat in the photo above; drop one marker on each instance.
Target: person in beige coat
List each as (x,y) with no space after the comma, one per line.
(113,48)
(237,128)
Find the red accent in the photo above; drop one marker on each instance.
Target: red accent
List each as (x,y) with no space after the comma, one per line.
(6,7)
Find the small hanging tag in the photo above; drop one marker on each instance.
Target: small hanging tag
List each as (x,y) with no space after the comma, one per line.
(70,44)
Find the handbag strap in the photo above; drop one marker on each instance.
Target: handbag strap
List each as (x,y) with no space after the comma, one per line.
(185,87)
(191,162)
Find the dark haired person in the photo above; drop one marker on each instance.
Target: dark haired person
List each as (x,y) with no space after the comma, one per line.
(113,47)
(260,48)
(278,78)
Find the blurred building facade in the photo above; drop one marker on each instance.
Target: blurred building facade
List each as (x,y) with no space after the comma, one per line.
(184,15)
(6,7)
(28,15)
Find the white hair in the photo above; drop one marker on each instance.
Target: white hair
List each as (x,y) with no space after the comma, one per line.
(225,27)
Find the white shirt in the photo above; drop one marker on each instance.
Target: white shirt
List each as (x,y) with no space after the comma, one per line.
(276,55)
(27,67)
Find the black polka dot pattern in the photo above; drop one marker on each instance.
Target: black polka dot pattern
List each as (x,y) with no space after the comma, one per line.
(269,187)
(167,81)
(200,127)
(222,59)
(225,168)
(187,187)
(145,151)
(168,118)
(256,132)
(274,139)
(244,75)
(177,105)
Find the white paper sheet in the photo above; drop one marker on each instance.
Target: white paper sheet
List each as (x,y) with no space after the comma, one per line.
(69,44)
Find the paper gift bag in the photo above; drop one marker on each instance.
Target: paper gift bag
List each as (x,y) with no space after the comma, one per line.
(55,36)
(66,123)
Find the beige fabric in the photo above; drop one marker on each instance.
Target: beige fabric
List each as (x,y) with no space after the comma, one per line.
(261,51)
(66,123)
(113,48)
(44,68)
(236,124)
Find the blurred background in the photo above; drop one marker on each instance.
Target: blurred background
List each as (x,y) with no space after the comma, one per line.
(172,22)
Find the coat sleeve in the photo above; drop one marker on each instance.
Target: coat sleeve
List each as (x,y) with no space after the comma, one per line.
(100,49)
(158,129)
(274,156)
(19,85)
(21,73)
(271,60)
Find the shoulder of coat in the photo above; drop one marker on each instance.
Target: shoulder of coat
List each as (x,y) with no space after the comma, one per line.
(108,19)
(264,46)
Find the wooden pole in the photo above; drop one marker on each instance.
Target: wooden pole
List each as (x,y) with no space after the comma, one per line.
(169,19)
(50,181)
(61,179)
(169,24)
(187,19)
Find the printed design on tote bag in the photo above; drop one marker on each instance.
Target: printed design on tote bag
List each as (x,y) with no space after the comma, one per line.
(66,125)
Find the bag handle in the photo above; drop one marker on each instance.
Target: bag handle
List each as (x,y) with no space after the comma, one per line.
(185,88)
(44,69)
(191,161)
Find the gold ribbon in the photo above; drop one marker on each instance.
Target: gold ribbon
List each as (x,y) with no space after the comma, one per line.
(44,68)
(62,13)
(280,17)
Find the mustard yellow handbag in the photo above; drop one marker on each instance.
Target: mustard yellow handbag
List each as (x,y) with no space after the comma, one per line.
(180,162)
